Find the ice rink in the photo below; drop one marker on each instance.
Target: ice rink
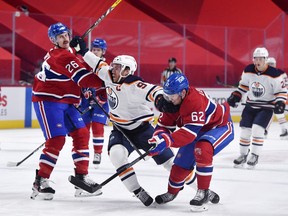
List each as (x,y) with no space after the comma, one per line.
(263,191)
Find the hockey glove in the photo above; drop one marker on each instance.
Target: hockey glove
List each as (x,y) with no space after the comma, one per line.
(79,45)
(87,93)
(279,107)
(101,96)
(165,106)
(159,143)
(234,98)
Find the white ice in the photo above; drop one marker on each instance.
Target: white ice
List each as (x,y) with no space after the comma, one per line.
(263,191)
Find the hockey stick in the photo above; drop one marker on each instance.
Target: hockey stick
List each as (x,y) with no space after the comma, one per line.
(117,127)
(91,189)
(219,82)
(15,164)
(101,18)
(263,106)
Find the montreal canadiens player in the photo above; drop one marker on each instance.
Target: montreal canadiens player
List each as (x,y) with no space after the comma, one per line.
(264,86)
(56,89)
(204,129)
(95,118)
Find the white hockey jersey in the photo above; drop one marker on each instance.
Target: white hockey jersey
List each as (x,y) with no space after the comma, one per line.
(263,87)
(127,100)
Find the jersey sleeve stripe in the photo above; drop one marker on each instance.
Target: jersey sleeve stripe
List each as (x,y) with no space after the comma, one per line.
(80,74)
(193,129)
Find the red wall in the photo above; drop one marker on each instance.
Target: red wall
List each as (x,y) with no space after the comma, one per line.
(240,23)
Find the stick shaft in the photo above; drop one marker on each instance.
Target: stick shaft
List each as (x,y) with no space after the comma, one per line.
(101,18)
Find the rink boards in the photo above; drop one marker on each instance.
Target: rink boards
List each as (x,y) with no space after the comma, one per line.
(16,109)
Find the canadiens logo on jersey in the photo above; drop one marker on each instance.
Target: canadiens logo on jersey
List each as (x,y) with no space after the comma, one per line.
(112,98)
(258,89)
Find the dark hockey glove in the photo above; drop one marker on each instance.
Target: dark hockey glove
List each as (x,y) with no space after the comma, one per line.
(79,45)
(234,98)
(279,107)
(165,106)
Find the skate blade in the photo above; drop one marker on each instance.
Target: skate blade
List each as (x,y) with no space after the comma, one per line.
(85,194)
(198,208)
(239,166)
(284,138)
(41,196)
(249,167)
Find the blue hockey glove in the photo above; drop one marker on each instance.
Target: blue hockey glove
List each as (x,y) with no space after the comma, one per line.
(159,143)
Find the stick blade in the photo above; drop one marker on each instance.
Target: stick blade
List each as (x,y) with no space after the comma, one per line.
(12,164)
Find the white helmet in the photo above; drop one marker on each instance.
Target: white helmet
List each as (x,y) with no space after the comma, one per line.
(271,61)
(260,52)
(125,61)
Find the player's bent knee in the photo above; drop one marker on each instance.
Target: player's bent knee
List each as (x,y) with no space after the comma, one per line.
(118,155)
(203,152)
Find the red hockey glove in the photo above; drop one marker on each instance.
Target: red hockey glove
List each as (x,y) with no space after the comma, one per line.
(159,143)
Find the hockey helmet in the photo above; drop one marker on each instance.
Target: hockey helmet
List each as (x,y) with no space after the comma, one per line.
(175,84)
(126,61)
(56,29)
(99,43)
(261,52)
(271,61)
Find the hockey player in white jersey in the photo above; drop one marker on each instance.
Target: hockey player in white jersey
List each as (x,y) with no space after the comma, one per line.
(127,97)
(281,117)
(265,88)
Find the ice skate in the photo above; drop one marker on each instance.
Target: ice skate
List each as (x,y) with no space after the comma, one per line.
(87,181)
(213,197)
(240,161)
(143,196)
(96,160)
(165,198)
(41,188)
(253,160)
(284,134)
(199,201)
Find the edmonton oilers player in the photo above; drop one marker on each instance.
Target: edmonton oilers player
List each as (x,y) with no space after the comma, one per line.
(205,128)
(264,85)
(56,88)
(95,118)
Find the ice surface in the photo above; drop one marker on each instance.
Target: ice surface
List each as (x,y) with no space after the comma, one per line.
(263,191)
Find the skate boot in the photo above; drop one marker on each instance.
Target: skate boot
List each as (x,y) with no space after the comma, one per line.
(97,159)
(240,161)
(88,181)
(199,201)
(213,197)
(165,198)
(284,134)
(41,187)
(253,160)
(143,196)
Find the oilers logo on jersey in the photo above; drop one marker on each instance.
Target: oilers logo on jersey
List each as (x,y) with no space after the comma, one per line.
(258,89)
(112,98)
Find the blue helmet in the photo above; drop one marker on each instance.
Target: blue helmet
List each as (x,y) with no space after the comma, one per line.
(57,29)
(100,43)
(175,84)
